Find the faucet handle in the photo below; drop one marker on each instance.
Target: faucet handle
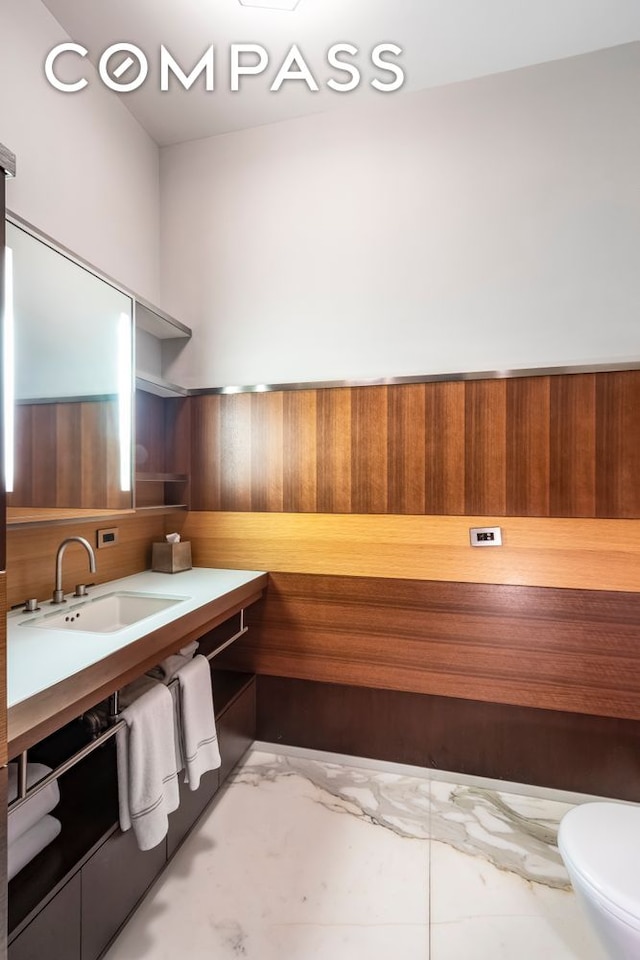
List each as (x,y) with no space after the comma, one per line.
(30,605)
(81,590)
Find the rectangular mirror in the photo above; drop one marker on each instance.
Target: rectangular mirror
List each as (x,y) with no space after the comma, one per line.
(72,385)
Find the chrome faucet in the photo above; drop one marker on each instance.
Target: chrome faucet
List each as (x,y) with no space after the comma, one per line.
(58,593)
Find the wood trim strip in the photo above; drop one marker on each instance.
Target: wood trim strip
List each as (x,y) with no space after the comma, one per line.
(584,554)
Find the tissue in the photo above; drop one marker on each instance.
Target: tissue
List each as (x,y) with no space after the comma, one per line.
(171,555)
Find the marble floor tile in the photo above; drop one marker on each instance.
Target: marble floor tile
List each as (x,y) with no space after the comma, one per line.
(281,867)
(305,859)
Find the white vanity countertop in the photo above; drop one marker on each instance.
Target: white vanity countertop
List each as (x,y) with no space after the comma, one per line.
(38,658)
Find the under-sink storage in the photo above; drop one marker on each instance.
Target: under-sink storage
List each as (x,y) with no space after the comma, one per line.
(90,879)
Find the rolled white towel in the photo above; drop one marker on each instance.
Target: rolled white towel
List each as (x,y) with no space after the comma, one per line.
(167,669)
(29,813)
(31,843)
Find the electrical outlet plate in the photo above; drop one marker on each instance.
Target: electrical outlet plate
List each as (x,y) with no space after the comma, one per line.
(107,538)
(485,536)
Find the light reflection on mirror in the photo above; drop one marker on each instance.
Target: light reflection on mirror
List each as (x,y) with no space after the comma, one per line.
(73,382)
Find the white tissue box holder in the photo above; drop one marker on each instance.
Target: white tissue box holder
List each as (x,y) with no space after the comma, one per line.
(171,557)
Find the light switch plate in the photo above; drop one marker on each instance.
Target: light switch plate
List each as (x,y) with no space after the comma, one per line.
(485,536)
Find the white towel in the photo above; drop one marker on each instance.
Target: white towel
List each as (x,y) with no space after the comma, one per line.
(28,814)
(147,769)
(168,668)
(198,727)
(29,845)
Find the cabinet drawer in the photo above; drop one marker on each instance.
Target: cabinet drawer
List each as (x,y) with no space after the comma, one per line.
(192,803)
(113,882)
(55,932)
(237,729)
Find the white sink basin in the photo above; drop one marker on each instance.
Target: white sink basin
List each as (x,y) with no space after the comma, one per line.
(105,614)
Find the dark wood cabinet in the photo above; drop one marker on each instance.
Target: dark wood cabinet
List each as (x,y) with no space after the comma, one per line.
(237,729)
(70,901)
(113,881)
(54,932)
(192,804)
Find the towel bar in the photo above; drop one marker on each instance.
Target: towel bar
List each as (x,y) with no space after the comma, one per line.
(25,793)
(61,768)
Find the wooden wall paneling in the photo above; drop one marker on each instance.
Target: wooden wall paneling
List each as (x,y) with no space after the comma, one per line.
(572,445)
(177,427)
(485,446)
(584,554)
(90,459)
(44,456)
(589,754)
(334,450)
(206,466)
(23,466)
(235,452)
(445,448)
(65,472)
(524,447)
(31,553)
(267,450)
(568,650)
(369,450)
(150,435)
(67,455)
(618,444)
(406,449)
(527,446)
(300,462)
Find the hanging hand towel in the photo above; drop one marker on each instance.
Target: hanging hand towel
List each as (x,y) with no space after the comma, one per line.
(147,769)
(199,739)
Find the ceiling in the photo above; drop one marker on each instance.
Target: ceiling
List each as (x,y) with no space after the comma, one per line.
(443,41)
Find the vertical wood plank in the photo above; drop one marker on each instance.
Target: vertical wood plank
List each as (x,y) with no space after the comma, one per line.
(369,493)
(90,460)
(406,449)
(334,450)
(485,447)
(572,446)
(618,444)
(267,426)
(43,455)
(206,462)
(149,451)
(68,439)
(23,463)
(235,451)
(300,443)
(445,448)
(527,450)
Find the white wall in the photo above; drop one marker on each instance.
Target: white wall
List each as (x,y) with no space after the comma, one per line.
(87,172)
(486,225)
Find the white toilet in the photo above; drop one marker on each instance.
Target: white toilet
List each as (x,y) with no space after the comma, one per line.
(600,846)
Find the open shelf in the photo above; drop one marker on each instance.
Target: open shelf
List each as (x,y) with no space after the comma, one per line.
(162,478)
(88,811)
